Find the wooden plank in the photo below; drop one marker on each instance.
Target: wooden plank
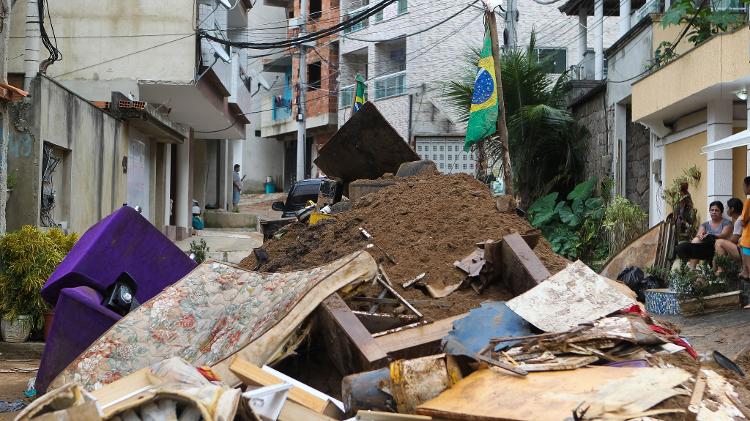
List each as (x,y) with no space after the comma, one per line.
(350,345)
(292,411)
(253,375)
(417,341)
(522,269)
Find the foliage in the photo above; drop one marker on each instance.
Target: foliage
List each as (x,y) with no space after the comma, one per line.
(27,258)
(624,221)
(705,21)
(12,180)
(546,143)
(696,283)
(663,54)
(572,226)
(200,249)
(691,176)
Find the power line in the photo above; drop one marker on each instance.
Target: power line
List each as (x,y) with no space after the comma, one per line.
(312,36)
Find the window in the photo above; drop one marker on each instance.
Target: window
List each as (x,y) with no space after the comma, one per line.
(471,166)
(313,75)
(449,156)
(554,59)
(442,166)
(378,16)
(316,9)
(434,157)
(464,166)
(419,148)
(442,156)
(390,86)
(434,148)
(402,6)
(464,157)
(441,148)
(357,26)
(450,166)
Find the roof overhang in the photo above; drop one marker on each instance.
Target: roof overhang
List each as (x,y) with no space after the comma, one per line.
(736,140)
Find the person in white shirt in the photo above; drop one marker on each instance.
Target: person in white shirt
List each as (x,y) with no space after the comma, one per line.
(729,247)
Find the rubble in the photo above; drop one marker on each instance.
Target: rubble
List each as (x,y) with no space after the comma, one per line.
(425,222)
(512,331)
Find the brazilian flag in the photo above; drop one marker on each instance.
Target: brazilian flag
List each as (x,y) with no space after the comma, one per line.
(359,96)
(484,101)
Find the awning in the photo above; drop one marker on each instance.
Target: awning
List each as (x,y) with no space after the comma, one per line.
(738,139)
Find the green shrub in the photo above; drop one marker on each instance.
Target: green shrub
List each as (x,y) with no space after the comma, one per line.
(27,258)
(624,221)
(199,249)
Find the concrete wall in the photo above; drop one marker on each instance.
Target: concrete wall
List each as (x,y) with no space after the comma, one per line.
(598,119)
(89,182)
(92,42)
(638,165)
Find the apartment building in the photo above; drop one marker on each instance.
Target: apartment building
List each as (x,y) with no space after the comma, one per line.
(405,62)
(152,53)
(279,105)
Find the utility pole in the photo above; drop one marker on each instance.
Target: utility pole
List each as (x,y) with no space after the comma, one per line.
(301,91)
(502,129)
(4,136)
(510,24)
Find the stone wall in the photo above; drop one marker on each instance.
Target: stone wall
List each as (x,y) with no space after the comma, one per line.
(637,164)
(593,114)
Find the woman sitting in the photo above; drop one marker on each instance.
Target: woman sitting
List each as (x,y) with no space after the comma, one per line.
(702,245)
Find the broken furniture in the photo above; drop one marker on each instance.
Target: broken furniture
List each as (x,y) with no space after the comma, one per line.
(216,312)
(125,241)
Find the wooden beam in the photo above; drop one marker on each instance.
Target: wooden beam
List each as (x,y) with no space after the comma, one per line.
(252,375)
(522,269)
(350,345)
(417,341)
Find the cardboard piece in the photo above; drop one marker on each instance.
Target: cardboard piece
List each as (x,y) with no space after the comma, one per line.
(67,403)
(573,296)
(641,253)
(487,395)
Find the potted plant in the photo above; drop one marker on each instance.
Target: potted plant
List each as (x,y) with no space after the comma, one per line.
(27,258)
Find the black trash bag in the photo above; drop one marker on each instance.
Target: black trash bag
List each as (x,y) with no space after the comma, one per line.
(635,279)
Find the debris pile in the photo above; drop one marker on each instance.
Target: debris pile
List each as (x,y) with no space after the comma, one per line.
(425,222)
(428,299)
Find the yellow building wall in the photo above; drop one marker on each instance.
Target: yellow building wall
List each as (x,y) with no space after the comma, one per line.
(739,171)
(681,155)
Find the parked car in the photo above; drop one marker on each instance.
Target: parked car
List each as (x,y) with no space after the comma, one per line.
(306,190)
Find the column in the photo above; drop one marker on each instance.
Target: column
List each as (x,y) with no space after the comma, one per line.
(657,204)
(582,34)
(599,39)
(747,127)
(167,165)
(225,175)
(719,177)
(624,16)
(182,203)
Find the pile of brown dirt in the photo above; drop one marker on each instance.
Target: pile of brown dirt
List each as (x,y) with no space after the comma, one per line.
(425,222)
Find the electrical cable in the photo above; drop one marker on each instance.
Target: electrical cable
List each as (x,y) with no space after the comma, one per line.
(312,36)
(414,33)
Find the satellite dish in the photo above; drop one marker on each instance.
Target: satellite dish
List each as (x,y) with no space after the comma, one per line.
(261,80)
(219,51)
(225,3)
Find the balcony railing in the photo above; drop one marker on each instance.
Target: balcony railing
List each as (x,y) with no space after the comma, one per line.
(359,25)
(390,85)
(346,96)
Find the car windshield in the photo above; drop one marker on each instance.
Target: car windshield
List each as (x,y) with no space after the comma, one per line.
(301,193)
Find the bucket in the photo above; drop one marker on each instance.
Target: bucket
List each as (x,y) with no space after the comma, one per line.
(270,188)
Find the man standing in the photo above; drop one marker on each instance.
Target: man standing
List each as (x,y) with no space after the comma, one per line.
(236,189)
